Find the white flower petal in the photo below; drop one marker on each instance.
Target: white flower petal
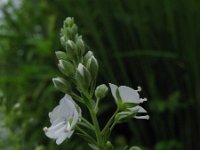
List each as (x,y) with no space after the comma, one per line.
(113,88)
(138,109)
(63,136)
(55,133)
(142,117)
(129,95)
(56,126)
(75,118)
(66,105)
(54,114)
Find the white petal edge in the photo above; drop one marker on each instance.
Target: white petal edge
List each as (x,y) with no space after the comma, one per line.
(113,88)
(142,117)
(63,136)
(138,109)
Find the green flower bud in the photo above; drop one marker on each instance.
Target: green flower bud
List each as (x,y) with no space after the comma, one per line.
(70,45)
(109,145)
(40,148)
(62,85)
(101,91)
(71,49)
(69,21)
(66,67)
(82,77)
(74,29)
(80,46)
(62,40)
(61,55)
(93,66)
(87,56)
(135,148)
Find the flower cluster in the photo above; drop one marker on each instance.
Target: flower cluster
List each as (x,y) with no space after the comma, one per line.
(80,68)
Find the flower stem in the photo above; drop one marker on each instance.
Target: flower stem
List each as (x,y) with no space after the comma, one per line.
(86,135)
(88,123)
(109,122)
(96,125)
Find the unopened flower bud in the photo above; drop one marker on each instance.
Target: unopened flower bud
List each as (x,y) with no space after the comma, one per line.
(109,145)
(66,67)
(82,76)
(93,66)
(80,46)
(70,45)
(62,85)
(101,91)
(87,56)
(61,55)
(69,21)
(135,148)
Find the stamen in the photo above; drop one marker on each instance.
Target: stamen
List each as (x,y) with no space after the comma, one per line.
(143,100)
(139,89)
(67,127)
(45,129)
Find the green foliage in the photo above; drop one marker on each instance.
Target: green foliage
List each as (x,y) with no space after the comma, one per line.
(149,43)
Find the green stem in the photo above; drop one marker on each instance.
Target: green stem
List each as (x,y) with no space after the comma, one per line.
(88,123)
(86,134)
(109,122)
(78,98)
(112,126)
(96,106)
(96,125)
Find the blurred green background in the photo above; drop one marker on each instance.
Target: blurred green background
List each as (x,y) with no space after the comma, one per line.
(154,44)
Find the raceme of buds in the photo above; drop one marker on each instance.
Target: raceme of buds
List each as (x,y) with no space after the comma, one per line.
(62,85)
(68,31)
(101,91)
(82,77)
(63,118)
(80,69)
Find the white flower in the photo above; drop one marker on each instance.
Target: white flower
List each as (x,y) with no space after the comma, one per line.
(63,118)
(126,94)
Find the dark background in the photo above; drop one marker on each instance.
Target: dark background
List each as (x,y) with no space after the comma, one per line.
(154,44)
